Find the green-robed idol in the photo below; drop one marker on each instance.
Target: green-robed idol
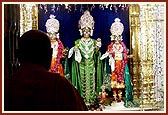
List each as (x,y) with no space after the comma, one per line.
(86,72)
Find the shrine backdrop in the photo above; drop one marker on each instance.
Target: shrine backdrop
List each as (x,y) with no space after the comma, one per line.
(68,17)
(147,39)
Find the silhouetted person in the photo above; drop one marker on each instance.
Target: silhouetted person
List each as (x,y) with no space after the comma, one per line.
(32,87)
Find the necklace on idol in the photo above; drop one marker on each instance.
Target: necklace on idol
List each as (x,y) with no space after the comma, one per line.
(117,48)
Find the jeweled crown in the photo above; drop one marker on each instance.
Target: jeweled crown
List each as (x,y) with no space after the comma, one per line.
(52,25)
(117,27)
(86,20)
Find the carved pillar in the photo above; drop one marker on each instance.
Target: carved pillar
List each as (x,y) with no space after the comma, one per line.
(146,57)
(159,43)
(28,17)
(147,45)
(134,10)
(151,53)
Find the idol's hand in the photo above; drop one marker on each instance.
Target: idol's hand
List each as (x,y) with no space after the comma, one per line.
(65,51)
(98,43)
(130,56)
(76,47)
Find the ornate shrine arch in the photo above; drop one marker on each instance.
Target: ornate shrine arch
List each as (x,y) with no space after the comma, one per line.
(147,44)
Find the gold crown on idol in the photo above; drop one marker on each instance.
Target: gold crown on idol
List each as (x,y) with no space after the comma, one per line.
(86,20)
(52,24)
(116,30)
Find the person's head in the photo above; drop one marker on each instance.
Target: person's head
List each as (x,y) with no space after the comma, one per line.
(35,47)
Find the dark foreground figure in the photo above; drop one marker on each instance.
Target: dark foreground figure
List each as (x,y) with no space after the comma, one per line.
(32,87)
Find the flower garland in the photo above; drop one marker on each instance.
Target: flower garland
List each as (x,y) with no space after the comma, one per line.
(55,68)
(123,62)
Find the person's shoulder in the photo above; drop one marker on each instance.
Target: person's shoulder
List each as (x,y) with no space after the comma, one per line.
(57,78)
(62,82)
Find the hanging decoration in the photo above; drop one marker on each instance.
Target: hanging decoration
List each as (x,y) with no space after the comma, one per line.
(45,8)
(53,8)
(66,6)
(83,7)
(75,9)
(92,7)
(111,6)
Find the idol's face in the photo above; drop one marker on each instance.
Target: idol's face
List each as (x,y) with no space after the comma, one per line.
(116,38)
(116,41)
(86,32)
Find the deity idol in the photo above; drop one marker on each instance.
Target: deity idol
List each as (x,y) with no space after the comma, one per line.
(103,94)
(86,64)
(118,57)
(52,27)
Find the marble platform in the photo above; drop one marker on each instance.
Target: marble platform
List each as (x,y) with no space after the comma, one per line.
(120,107)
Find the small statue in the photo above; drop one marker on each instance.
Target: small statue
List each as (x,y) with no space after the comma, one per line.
(103,94)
